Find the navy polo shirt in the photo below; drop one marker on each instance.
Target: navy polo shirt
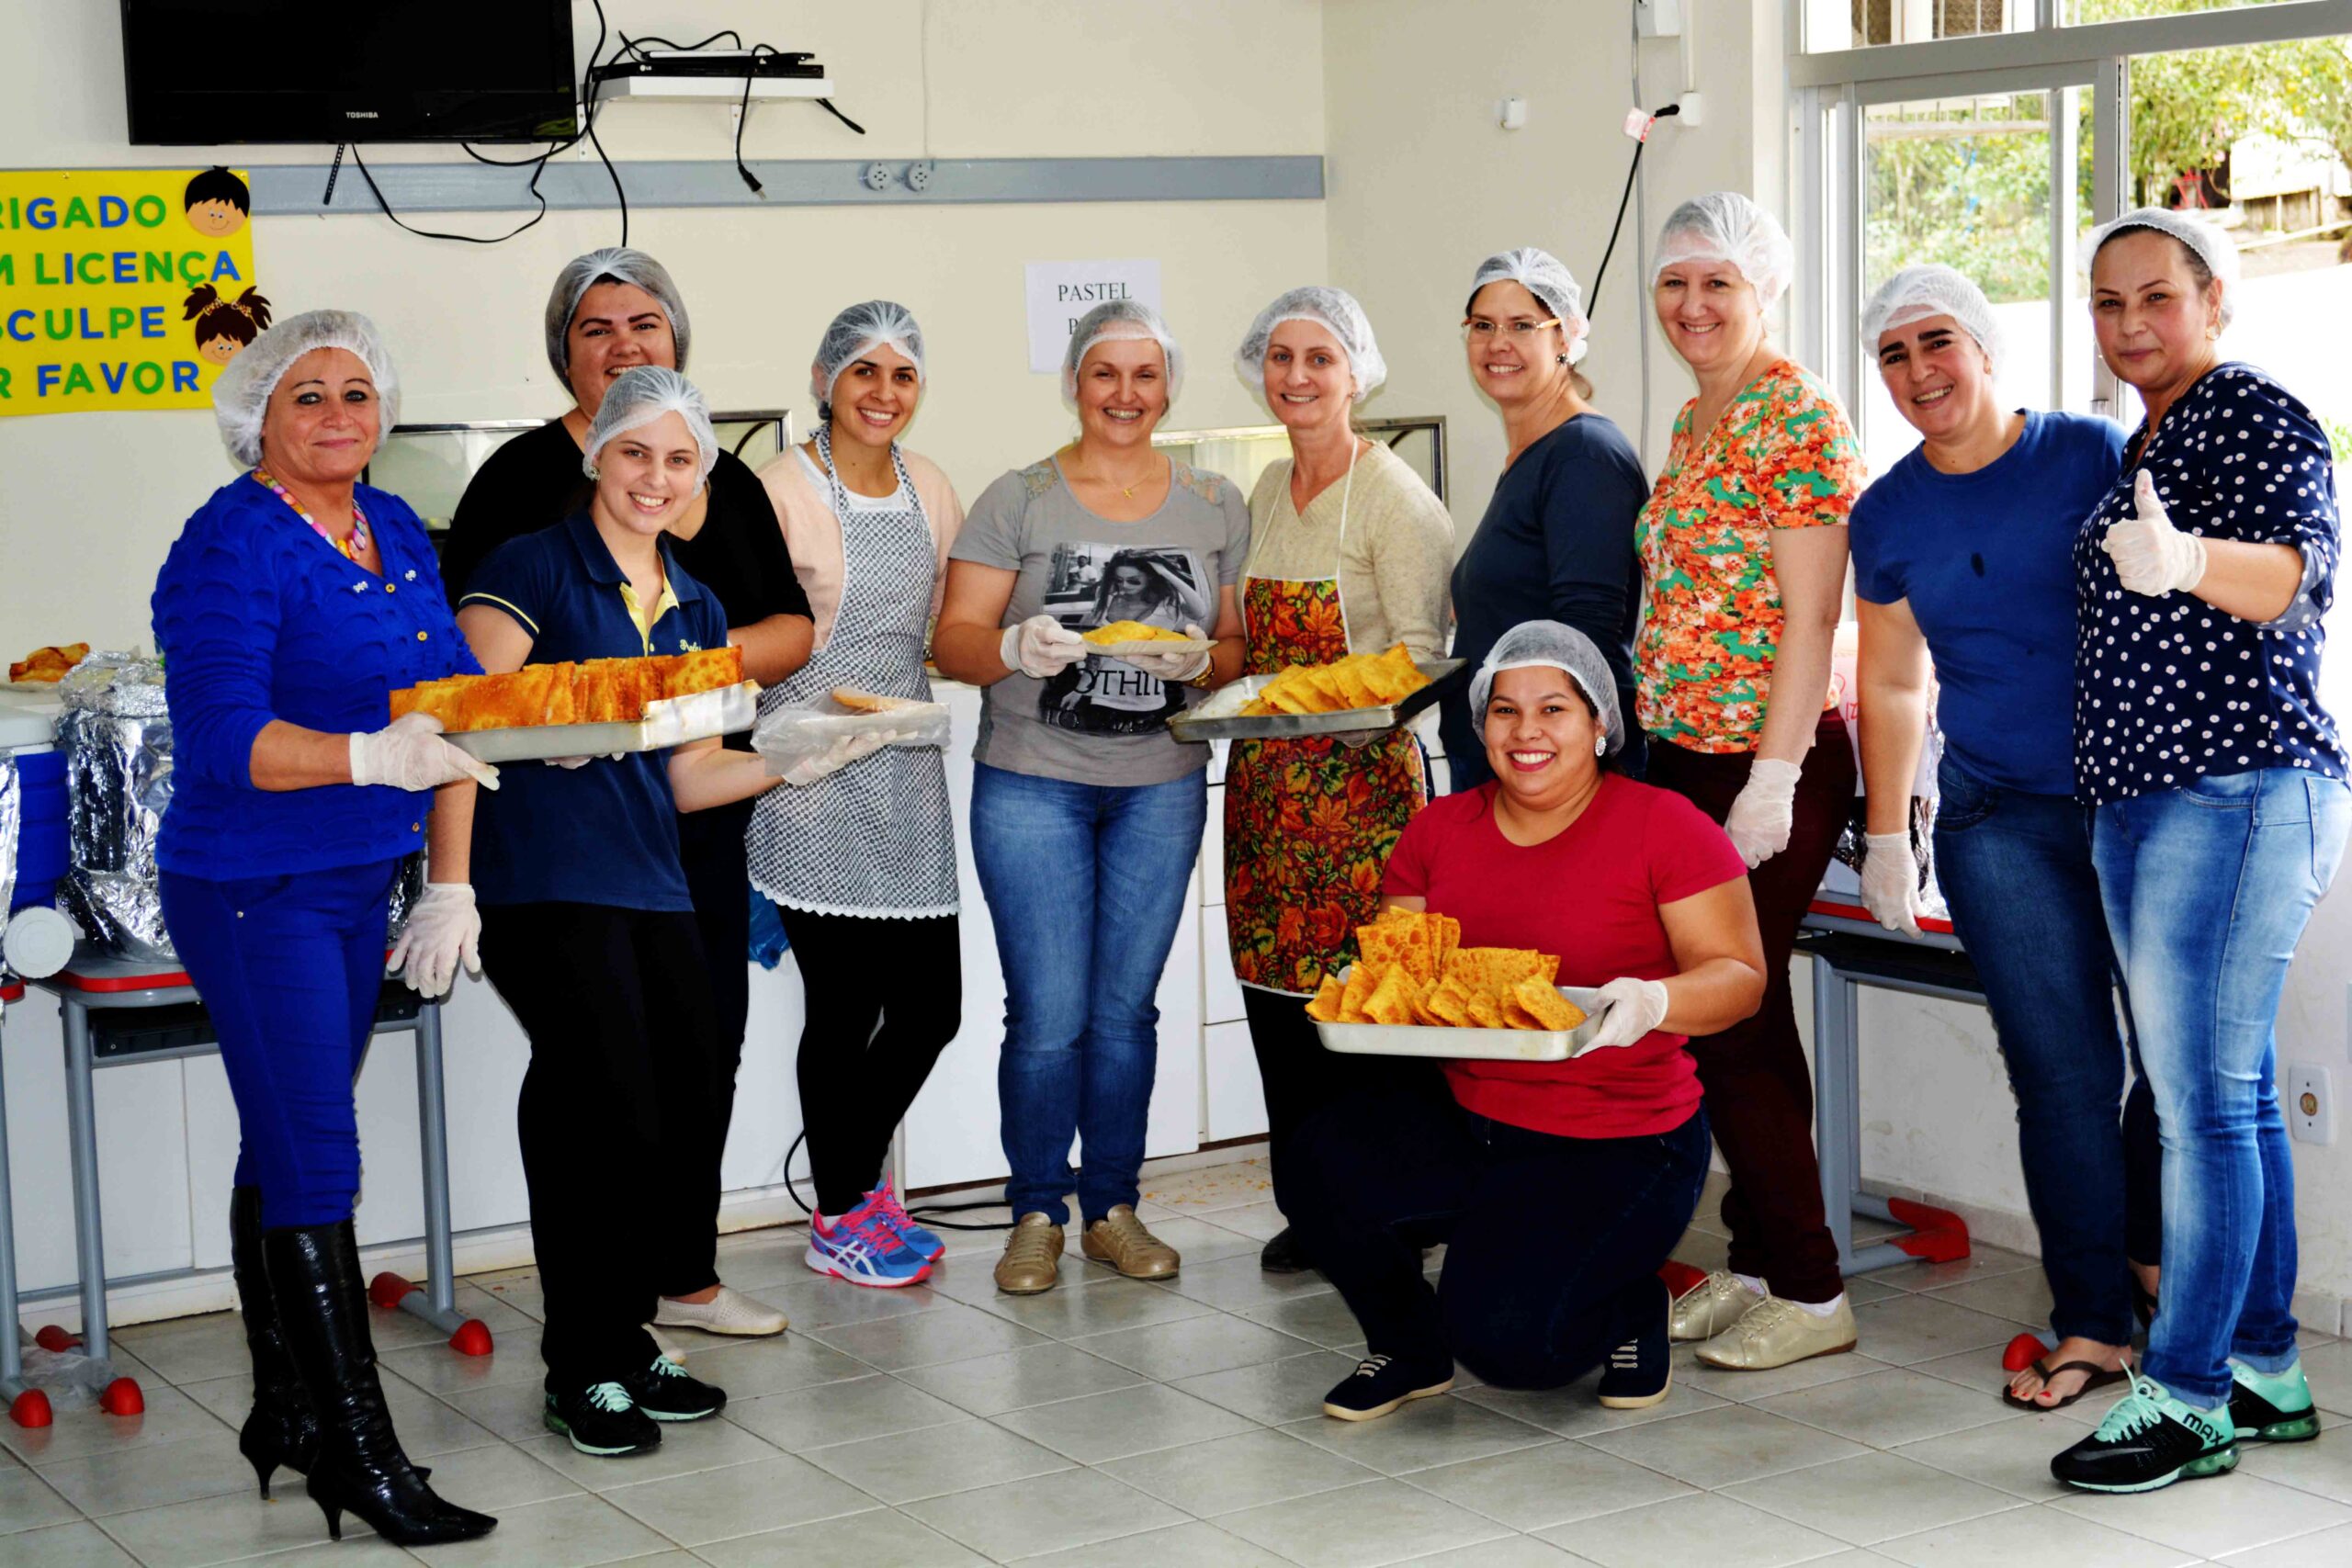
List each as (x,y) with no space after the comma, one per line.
(605,834)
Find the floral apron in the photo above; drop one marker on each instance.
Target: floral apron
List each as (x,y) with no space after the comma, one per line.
(1309,822)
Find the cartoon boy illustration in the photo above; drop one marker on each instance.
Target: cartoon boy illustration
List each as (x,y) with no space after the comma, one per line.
(223,327)
(218,203)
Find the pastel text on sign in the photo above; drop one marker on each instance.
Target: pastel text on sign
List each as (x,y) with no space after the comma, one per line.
(1092,293)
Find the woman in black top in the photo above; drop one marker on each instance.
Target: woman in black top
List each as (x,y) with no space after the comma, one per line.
(1556,543)
(611,310)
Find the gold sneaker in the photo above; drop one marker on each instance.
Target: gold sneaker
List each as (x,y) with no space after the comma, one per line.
(1776,1333)
(1708,1307)
(1119,1239)
(1032,1254)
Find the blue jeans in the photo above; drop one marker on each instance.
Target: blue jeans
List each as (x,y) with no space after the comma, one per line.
(1086,885)
(2016,868)
(289,968)
(2207,889)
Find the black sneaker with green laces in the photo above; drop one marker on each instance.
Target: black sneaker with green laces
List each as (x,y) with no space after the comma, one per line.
(667,1392)
(601,1419)
(2272,1407)
(2150,1440)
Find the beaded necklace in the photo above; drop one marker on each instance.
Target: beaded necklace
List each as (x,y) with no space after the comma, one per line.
(353,549)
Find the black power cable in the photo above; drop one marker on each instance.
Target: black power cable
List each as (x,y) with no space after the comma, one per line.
(926,1212)
(1592,300)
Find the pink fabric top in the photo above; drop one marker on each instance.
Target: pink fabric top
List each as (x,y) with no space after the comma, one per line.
(813,534)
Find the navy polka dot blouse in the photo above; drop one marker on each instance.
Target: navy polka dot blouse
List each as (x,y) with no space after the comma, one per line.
(2170,689)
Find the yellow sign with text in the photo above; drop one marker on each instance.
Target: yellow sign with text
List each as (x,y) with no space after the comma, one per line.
(123,289)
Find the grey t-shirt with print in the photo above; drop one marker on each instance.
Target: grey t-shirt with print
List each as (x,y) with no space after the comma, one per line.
(1102,721)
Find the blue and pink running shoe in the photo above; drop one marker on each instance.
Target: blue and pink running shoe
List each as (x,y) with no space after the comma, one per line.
(924,1243)
(864,1248)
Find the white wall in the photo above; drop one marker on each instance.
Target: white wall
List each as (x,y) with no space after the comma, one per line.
(98,497)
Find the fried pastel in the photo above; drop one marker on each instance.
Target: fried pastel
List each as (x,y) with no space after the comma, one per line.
(1549,1009)
(1391,1000)
(1324,1006)
(1117,632)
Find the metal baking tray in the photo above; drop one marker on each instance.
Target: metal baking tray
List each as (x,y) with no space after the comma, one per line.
(668,721)
(1164,645)
(1477,1044)
(1220,717)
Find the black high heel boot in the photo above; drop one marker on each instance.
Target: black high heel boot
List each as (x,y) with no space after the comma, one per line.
(322,1311)
(282,1428)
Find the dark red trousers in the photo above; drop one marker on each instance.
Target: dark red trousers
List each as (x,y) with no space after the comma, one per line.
(1760,1094)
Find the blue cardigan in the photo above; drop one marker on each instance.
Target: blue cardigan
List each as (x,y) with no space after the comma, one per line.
(259,618)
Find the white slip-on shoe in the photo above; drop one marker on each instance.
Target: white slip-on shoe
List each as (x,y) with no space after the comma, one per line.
(730,1312)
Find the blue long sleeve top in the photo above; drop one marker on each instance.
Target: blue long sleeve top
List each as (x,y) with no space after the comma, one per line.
(259,618)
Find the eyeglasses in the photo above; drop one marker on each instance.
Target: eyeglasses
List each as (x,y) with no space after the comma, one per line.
(1484,330)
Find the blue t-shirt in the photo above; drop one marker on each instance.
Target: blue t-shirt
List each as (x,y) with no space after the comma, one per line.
(259,618)
(2169,689)
(1985,561)
(1557,544)
(608,832)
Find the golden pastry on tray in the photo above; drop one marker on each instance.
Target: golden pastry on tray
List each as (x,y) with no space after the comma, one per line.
(1412,970)
(596,690)
(1359,681)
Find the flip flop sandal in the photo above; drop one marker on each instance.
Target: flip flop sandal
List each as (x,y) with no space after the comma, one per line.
(2100,1377)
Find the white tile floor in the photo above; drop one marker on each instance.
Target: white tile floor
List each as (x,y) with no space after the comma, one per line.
(1113,1423)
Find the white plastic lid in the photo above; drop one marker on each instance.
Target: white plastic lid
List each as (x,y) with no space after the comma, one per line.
(37,942)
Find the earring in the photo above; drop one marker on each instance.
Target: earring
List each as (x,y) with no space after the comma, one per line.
(592,470)
(1600,745)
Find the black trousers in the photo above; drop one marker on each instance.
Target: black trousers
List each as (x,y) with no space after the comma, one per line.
(883,999)
(1553,1244)
(1299,1077)
(710,848)
(615,1109)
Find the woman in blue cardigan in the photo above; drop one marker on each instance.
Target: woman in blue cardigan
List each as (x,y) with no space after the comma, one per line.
(292,604)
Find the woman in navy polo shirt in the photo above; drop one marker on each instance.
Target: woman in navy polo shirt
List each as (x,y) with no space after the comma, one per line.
(2218,815)
(1962,550)
(292,604)
(588,928)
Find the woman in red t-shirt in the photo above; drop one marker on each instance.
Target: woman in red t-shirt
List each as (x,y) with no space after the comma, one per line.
(1558,1187)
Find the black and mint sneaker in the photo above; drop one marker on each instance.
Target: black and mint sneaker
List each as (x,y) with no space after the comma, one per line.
(1640,1373)
(602,1419)
(2150,1440)
(667,1392)
(2272,1407)
(1381,1384)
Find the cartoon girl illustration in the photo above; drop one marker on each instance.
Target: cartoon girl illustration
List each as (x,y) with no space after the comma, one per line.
(217,203)
(223,327)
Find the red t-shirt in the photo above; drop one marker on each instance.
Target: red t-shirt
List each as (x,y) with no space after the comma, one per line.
(1592,895)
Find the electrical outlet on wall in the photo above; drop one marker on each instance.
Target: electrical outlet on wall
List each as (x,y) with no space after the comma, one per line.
(2311,1104)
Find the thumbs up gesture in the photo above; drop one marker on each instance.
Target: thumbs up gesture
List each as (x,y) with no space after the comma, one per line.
(2151,556)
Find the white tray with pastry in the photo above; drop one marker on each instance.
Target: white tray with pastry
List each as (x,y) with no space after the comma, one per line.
(1416,992)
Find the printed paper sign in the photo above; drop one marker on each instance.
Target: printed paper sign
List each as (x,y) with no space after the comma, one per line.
(1060,293)
(123,289)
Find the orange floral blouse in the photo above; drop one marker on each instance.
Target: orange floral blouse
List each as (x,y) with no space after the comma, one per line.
(1782,456)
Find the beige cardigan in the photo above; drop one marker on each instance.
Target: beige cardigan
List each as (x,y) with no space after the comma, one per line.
(813,534)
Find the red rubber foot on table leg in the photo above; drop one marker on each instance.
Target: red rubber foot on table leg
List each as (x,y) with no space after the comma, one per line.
(57,1338)
(471,1339)
(1680,1277)
(31,1408)
(122,1398)
(2022,1353)
(387,1289)
(1938,1236)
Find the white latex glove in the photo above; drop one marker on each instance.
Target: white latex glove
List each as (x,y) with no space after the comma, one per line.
(409,754)
(1041,647)
(442,931)
(1764,811)
(1173,668)
(2151,556)
(1890,881)
(1630,1010)
(839,755)
(567,763)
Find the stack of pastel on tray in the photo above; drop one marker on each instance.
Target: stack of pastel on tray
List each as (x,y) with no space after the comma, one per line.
(1413,970)
(598,691)
(1359,681)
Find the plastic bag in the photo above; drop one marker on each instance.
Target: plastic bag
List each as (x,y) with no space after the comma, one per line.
(804,744)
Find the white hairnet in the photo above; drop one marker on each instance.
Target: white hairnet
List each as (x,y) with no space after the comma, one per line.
(1549,643)
(615,264)
(2205,241)
(1547,278)
(1933,289)
(638,396)
(1725,226)
(241,394)
(1334,307)
(1111,322)
(855,334)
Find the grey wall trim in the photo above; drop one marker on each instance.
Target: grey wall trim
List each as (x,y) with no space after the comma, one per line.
(296,189)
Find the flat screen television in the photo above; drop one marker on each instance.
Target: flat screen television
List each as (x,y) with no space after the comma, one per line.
(201,72)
